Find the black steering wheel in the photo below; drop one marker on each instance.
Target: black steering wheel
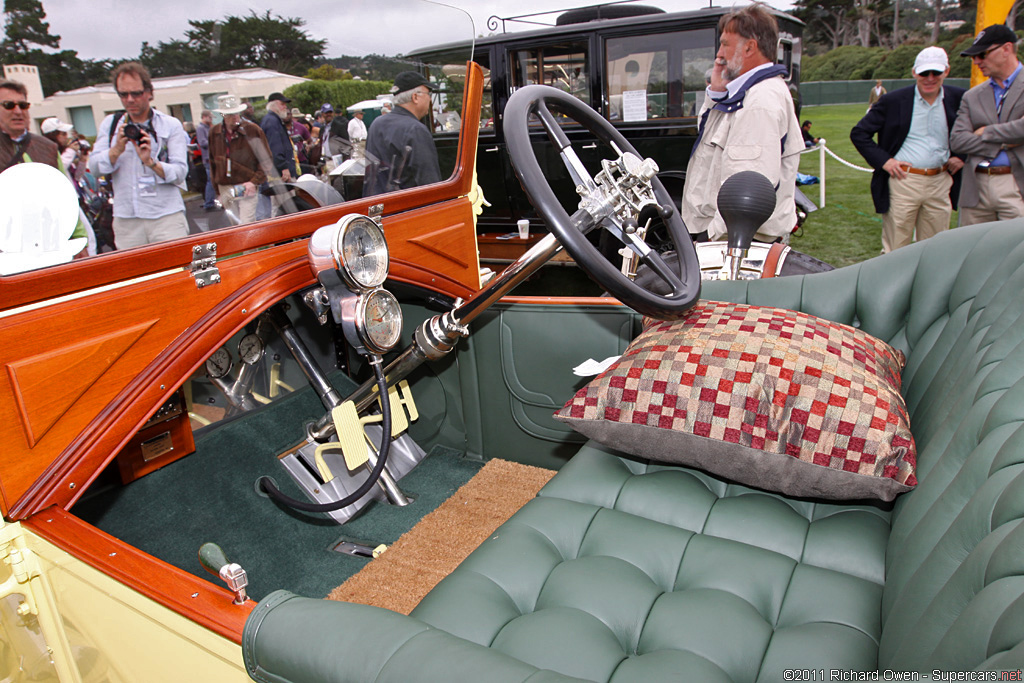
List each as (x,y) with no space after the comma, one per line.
(682,279)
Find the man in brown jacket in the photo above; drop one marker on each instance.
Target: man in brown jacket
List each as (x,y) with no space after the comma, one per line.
(239,157)
(18,145)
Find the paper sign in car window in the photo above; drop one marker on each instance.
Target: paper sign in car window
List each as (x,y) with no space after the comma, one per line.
(634,105)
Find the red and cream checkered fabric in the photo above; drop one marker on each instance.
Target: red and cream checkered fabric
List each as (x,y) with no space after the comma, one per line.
(768,379)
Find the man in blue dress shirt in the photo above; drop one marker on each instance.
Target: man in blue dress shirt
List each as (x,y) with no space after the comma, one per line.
(916,180)
(989,129)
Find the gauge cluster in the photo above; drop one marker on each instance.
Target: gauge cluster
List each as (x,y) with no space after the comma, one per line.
(350,259)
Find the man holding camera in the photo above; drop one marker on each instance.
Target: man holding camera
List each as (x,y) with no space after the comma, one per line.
(145,152)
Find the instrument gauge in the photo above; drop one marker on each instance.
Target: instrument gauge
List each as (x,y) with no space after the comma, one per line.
(380,320)
(363,252)
(250,349)
(219,363)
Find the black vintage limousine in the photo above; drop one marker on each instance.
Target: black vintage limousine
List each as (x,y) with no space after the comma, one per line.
(642,68)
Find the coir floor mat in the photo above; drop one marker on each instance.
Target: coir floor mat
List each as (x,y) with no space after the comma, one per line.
(400,577)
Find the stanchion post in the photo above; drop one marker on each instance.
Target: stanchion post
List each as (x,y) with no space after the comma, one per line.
(821,172)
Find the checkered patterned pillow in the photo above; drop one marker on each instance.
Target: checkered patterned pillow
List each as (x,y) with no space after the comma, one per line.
(771,398)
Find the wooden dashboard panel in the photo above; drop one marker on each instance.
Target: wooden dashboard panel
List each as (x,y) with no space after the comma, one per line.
(82,374)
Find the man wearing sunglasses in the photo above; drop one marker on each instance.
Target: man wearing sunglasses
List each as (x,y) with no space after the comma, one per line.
(916,181)
(145,151)
(989,129)
(17,144)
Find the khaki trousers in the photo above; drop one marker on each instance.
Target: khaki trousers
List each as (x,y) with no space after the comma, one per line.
(998,199)
(917,204)
(243,208)
(135,232)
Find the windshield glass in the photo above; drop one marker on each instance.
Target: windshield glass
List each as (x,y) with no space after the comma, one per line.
(171,124)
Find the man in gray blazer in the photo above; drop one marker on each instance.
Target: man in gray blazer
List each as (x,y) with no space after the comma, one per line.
(989,128)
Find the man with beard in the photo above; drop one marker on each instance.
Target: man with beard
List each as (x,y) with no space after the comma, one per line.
(747,123)
(238,155)
(916,181)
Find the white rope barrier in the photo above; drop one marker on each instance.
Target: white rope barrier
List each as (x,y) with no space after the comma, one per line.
(822,149)
(844,162)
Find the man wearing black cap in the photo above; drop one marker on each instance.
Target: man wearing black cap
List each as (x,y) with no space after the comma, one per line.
(334,133)
(989,128)
(400,150)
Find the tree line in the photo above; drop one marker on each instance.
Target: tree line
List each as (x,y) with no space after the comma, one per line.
(234,42)
(843,40)
(872,39)
(832,24)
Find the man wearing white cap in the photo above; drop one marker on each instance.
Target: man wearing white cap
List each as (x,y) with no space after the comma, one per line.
(916,181)
(59,132)
(989,128)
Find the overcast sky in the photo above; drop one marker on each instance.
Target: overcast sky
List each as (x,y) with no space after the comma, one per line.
(116,28)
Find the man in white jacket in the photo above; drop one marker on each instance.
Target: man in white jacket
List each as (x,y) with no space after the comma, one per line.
(747,122)
(357,134)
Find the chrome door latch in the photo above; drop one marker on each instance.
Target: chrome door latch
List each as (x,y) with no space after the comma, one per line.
(204,264)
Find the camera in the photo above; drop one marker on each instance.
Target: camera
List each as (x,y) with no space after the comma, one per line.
(133,131)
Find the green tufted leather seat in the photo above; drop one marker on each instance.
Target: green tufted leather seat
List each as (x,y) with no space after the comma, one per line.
(624,570)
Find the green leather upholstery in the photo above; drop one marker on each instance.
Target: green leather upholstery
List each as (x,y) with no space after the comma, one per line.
(623,570)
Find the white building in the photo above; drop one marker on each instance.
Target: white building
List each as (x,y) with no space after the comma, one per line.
(183,97)
(29,76)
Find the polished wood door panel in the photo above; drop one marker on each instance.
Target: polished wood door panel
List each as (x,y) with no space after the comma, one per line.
(84,366)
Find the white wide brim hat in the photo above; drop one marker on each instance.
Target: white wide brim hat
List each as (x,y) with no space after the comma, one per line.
(229,104)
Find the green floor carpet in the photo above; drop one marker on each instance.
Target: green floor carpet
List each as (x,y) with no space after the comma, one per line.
(210,496)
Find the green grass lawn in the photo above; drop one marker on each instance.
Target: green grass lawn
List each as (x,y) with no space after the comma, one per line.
(847,230)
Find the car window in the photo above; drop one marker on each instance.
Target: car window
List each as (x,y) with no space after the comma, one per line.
(660,75)
(563,66)
(487,104)
(308,110)
(785,57)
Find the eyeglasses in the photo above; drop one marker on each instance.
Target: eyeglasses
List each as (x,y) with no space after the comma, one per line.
(930,74)
(986,53)
(125,94)
(11,104)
